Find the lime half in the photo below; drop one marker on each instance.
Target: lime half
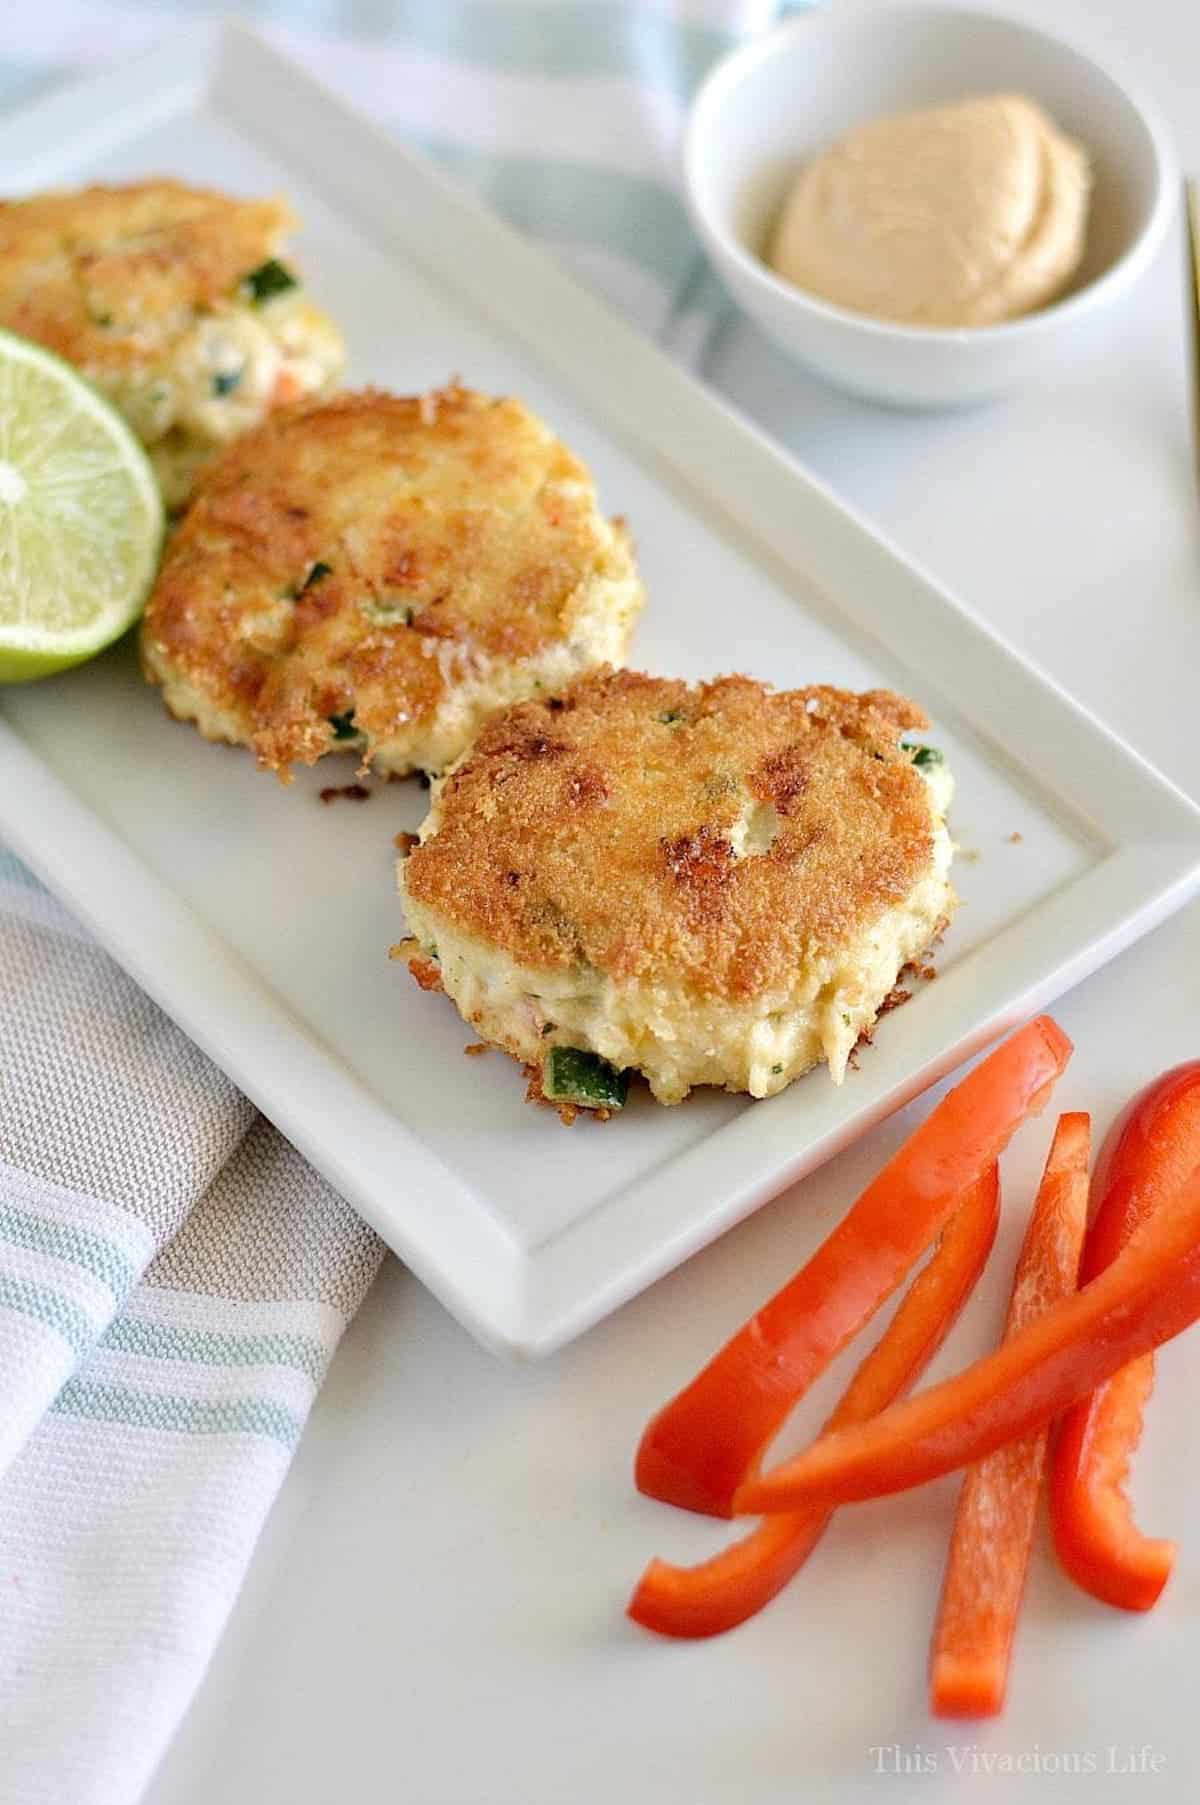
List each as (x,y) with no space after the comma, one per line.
(81,517)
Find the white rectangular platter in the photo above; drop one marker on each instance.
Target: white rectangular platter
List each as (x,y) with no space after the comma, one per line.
(261,921)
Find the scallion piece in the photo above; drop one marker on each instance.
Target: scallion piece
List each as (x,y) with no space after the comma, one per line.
(923,756)
(319,570)
(570,1075)
(270,278)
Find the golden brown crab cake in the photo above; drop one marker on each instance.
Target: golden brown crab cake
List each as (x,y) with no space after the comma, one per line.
(380,573)
(174,301)
(715,884)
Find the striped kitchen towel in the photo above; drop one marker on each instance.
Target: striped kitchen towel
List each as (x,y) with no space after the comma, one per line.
(173,1277)
(173,1281)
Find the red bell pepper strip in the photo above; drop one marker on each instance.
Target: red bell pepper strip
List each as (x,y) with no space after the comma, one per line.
(724,1591)
(1150,1293)
(997,1505)
(1147,1157)
(704,1443)
(1095,1537)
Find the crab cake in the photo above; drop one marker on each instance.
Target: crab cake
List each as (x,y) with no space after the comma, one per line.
(173,301)
(715,884)
(377,573)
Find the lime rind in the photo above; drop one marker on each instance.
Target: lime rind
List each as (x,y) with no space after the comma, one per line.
(81,516)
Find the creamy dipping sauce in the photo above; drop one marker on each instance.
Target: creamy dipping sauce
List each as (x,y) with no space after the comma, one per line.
(958,215)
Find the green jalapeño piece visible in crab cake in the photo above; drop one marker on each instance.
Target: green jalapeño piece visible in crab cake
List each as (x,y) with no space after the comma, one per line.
(378,574)
(717,884)
(174,301)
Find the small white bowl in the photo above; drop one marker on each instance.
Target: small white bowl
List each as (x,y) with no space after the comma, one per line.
(785,97)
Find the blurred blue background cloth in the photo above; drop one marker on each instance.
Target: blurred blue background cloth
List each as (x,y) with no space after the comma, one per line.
(565,115)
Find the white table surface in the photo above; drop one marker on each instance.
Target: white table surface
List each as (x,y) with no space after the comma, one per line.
(434,1615)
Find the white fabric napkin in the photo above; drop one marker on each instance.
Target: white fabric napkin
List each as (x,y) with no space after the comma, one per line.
(173,1277)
